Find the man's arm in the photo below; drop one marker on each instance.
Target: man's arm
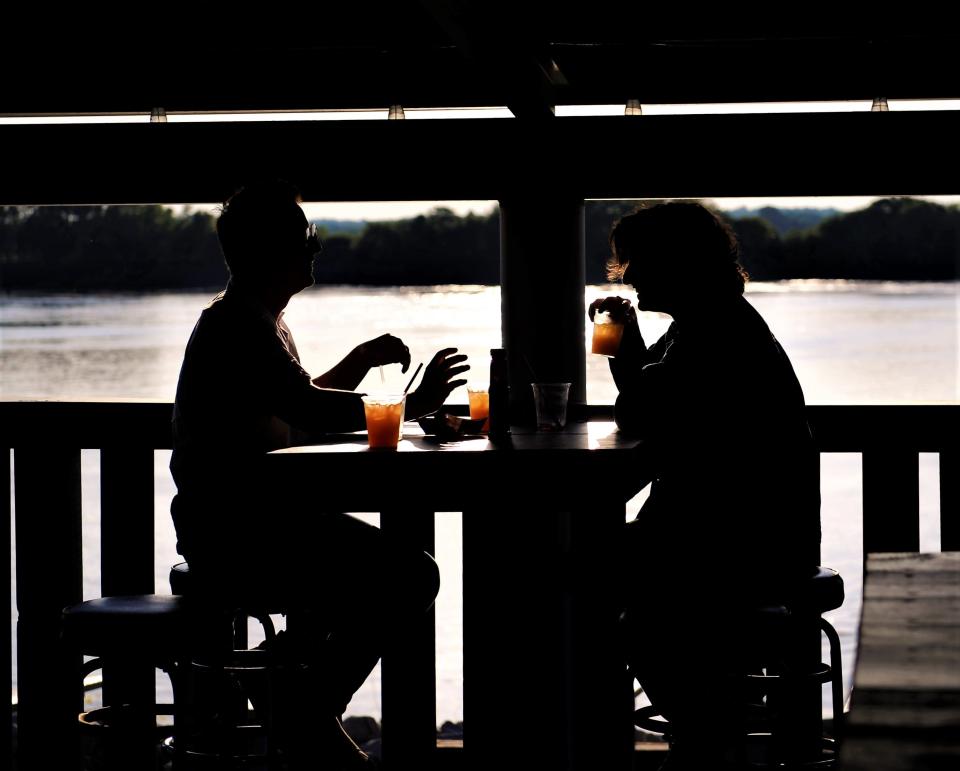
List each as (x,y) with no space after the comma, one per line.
(351,371)
(326,410)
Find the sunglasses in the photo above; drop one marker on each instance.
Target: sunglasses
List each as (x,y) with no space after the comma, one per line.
(313,244)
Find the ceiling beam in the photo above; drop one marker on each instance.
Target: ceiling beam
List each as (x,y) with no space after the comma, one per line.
(678,156)
(498,44)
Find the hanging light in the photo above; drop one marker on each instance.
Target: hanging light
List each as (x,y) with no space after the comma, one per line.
(633,107)
(158,115)
(880,105)
(396,112)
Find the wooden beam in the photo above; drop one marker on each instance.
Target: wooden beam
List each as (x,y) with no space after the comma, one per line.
(655,157)
(836,428)
(93,424)
(444,54)
(499,44)
(858,428)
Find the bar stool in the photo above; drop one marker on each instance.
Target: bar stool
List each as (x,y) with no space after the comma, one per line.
(225,677)
(128,632)
(203,649)
(780,678)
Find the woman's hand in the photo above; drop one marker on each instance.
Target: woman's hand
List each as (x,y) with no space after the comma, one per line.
(437,382)
(385,349)
(621,311)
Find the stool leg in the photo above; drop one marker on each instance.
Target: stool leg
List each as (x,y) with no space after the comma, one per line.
(836,675)
(802,716)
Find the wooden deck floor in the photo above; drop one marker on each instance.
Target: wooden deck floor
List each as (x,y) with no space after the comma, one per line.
(906,700)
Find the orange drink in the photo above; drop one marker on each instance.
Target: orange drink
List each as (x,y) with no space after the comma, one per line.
(479,404)
(384,420)
(606,335)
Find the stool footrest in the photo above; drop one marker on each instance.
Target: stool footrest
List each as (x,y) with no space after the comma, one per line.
(116,715)
(648,719)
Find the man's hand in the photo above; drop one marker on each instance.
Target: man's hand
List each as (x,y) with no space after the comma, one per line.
(437,383)
(385,349)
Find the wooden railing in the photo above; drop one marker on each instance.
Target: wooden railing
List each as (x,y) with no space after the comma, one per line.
(47,437)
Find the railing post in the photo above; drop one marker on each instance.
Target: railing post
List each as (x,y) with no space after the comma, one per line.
(49,577)
(950,500)
(127,567)
(6,734)
(408,671)
(891,500)
(126,521)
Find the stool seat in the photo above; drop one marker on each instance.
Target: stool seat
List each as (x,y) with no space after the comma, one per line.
(821,591)
(181,581)
(130,624)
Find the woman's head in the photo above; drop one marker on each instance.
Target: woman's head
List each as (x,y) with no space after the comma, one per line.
(674,253)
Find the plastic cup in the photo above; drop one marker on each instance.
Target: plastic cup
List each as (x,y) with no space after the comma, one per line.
(550,402)
(384,415)
(479,398)
(607,334)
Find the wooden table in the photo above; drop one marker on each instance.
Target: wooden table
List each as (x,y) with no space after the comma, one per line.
(543,684)
(905,711)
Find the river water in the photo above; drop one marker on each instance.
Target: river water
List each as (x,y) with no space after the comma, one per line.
(850,343)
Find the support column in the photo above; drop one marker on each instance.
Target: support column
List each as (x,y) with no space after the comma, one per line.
(542,282)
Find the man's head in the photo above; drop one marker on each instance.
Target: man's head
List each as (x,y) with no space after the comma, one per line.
(263,236)
(674,254)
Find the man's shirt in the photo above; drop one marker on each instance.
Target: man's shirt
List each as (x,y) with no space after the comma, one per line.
(242,393)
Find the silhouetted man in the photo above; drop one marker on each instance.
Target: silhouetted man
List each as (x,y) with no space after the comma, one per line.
(733,515)
(242,392)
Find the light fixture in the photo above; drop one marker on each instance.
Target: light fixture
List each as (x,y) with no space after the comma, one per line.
(633,107)
(880,105)
(396,112)
(158,115)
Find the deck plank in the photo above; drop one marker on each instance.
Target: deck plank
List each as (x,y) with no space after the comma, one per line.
(906,701)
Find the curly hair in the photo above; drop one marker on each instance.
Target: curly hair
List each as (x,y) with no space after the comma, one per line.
(692,242)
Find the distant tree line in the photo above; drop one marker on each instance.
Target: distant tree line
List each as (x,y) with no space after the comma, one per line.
(137,248)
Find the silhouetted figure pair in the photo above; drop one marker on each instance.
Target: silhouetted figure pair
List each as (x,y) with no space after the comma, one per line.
(243,392)
(733,515)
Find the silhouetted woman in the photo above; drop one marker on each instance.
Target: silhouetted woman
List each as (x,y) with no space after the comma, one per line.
(733,514)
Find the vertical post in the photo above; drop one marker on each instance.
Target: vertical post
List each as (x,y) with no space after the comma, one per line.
(408,670)
(542,280)
(891,500)
(950,500)
(126,521)
(513,636)
(49,577)
(6,732)
(126,567)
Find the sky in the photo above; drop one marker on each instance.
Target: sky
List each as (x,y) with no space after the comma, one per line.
(393,210)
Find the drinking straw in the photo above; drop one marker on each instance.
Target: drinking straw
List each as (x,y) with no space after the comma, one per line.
(419,367)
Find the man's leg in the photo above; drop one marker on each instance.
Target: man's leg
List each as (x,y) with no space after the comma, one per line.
(350,590)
